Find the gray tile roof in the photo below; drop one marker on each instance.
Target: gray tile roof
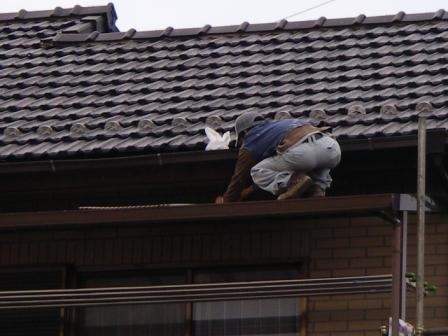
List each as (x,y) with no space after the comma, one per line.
(71,86)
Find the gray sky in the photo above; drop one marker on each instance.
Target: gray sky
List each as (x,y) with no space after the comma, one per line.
(158,14)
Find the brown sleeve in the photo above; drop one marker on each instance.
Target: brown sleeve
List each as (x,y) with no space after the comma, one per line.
(241,176)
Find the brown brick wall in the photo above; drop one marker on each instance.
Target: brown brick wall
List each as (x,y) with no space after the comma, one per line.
(335,247)
(362,246)
(155,246)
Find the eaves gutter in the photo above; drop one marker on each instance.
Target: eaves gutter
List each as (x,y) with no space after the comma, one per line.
(436,140)
(159,159)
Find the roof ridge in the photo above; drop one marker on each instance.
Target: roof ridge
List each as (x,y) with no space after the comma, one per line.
(58,12)
(246,27)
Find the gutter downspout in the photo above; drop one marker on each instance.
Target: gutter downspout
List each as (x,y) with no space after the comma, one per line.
(421,183)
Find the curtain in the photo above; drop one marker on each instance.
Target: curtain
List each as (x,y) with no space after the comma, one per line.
(134,320)
(280,317)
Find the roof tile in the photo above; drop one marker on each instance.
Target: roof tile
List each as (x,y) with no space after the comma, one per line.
(175,80)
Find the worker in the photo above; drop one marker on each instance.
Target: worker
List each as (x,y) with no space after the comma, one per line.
(286,158)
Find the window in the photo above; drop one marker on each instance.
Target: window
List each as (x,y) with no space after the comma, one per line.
(133,320)
(247,317)
(244,317)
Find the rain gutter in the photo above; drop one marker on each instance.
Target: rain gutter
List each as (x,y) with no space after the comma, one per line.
(436,144)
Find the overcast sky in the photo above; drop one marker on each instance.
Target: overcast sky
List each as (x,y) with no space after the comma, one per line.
(159,14)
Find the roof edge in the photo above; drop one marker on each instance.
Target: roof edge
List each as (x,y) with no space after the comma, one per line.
(436,141)
(329,206)
(246,27)
(107,11)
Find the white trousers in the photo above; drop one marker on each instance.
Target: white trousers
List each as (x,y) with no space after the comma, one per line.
(315,157)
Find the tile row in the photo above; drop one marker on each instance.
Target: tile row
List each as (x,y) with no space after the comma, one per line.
(153,92)
(329,39)
(180,142)
(90,127)
(224,98)
(228,77)
(336,59)
(436,64)
(414,31)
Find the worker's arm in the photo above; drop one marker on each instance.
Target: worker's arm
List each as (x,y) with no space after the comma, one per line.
(241,179)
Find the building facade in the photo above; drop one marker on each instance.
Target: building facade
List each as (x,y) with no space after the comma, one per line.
(105,181)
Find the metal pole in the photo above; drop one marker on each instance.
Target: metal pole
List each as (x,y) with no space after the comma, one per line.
(396,277)
(421,181)
(404,253)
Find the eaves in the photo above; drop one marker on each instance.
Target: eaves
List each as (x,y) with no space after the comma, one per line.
(385,205)
(436,141)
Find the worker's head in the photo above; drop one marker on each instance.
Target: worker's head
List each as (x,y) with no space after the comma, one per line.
(244,123)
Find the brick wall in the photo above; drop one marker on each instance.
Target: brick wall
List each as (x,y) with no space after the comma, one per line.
(349,247)
(155,246)
(335,247)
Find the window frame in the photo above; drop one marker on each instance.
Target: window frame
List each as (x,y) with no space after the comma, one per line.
(189,271)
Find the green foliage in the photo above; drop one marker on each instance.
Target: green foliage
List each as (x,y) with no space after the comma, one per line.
(430,289)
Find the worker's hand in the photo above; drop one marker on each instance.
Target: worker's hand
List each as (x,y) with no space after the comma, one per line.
(219,200)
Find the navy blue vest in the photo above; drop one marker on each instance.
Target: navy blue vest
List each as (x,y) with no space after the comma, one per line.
(262,139)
